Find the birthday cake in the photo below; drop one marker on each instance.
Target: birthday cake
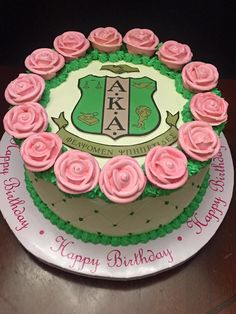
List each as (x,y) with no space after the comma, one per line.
(116,133)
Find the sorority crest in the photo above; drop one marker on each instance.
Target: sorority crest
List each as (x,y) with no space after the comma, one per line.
(116,106)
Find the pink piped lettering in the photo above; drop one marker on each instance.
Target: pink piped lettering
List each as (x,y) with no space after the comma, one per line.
(213,214)
(15,202)
(5,159)
(76,261)
(218,167)
(115,259)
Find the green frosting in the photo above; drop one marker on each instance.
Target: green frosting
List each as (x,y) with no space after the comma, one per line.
(117,240)
(194,166)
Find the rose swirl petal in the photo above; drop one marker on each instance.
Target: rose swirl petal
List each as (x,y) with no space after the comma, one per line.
(25,88)
(122,179)
(76,172)
(25,120)
(209,107)
(198,140)
(141,41)
(40,151)
(174,55)
(105,39)
(166,167)
(199,76)
(45,62)
(71,45)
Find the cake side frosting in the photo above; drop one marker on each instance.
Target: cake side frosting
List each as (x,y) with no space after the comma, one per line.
(93,220)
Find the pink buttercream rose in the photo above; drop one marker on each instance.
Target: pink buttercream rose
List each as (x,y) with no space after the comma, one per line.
(45,62)
(122,180)
(199,76)
(174,55)
(105,39)
(141,41)
(209,107)
(25,120)
(25,88)
(71,45)
(76,172)
(40,151)
(199,140)
(166,167)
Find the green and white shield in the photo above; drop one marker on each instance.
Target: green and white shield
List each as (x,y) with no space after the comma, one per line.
(116,106)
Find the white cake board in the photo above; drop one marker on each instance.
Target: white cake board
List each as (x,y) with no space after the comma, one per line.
(61,250)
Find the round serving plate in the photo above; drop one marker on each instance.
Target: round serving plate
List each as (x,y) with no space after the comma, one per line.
(55,247)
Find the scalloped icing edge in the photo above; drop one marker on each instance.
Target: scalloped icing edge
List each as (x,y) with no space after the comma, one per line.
(118,240)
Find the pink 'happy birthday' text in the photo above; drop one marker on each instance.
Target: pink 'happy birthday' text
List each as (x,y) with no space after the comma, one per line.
(77,261)
(213,214)
(216,184)
(5,159)
(218,166)
(115,258)
(15,203)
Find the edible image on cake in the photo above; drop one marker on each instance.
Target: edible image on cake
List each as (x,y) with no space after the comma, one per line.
(116,101)
(116,106)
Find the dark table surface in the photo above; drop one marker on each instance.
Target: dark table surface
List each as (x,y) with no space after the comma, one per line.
(204,284)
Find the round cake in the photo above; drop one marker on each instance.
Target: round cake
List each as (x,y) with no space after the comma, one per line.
(116,133)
